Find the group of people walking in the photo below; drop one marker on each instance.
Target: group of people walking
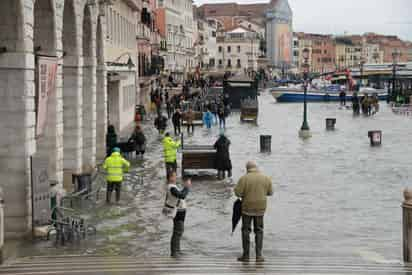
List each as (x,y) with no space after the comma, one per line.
(209,112)
(368,105)
(252,188)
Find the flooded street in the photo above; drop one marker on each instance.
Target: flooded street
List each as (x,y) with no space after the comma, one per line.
(335,195)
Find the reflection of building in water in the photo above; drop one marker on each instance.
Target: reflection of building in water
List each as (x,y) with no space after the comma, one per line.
(279,33)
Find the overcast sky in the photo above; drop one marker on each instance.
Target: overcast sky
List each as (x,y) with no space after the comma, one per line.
(351,16)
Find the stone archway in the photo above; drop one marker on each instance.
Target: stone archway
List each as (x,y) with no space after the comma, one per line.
(89,90)
(72,97)
(101,93)
(44,44)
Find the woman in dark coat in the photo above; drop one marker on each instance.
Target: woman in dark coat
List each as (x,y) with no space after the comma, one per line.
(139,140)
(111,139)
(223,162)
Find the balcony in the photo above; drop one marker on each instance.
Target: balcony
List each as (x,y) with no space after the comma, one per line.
(143,32)
(155,38)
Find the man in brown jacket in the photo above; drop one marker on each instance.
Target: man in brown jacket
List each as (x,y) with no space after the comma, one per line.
(190,117)
(253,188)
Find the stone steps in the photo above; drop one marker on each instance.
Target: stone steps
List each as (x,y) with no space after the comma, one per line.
(218,265)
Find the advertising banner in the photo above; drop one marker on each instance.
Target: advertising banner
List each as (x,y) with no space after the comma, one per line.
(45,87)
(284,38)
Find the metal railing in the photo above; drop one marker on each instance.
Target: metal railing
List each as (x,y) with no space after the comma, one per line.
(68,227)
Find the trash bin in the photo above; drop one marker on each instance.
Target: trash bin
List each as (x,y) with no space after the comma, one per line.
(265,144)
(82,182)
(375,137)
(330,124)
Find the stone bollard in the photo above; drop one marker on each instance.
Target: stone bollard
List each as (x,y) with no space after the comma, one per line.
(265,144)
(375,138)
(1,226)
(407,225)
(330,124)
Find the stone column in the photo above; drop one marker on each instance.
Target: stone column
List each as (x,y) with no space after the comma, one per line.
(89,113)
(101,110)
(407,225)
(17,138)
(72,114)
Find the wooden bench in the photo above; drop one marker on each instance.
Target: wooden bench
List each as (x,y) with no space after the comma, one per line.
(198,157)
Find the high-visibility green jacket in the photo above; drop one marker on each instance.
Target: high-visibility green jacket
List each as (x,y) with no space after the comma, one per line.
(115,166)
(170,149)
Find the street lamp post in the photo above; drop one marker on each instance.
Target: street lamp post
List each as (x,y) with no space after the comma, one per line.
(395,56)
(305,130)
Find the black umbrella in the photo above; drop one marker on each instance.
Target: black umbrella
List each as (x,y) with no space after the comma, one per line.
(237,214)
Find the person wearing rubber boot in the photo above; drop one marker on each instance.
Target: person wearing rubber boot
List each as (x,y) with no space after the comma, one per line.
(115,166)
(170,154)
(222,161)
(176,198)
(253,188)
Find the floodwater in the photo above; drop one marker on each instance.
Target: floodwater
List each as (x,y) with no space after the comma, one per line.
(335,196)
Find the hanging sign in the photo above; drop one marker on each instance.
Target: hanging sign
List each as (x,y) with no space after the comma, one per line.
(45,87)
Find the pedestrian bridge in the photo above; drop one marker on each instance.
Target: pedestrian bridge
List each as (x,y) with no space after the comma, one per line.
(217,265)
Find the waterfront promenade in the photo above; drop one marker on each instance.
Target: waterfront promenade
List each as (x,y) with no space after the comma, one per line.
(336,203)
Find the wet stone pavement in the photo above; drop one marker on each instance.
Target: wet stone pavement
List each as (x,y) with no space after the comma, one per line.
(335,195)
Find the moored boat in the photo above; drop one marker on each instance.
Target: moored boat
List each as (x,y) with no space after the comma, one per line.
(297,95)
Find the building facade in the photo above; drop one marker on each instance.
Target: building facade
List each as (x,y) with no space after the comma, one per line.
(238,50)
(175,22)
(372,54)
(148,47)
(206,44)
(68,69)
(122,63)
(349,53)
(389,44)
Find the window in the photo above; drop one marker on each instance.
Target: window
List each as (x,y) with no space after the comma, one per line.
(325,51)
(213,34)
(212,62)
(238,49)
(238,63)
(128,97)
(220,49)
(220,62)
(229,49)
(229,63)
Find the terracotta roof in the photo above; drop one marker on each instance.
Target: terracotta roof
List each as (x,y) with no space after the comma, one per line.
(234,9)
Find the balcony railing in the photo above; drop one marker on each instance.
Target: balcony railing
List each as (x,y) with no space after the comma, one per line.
(143,32)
